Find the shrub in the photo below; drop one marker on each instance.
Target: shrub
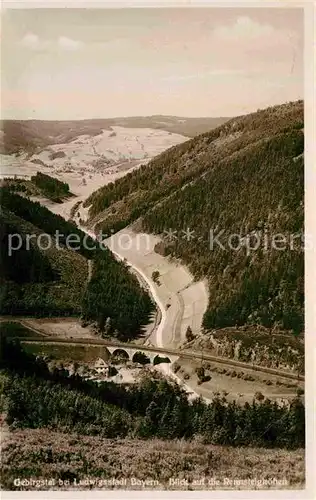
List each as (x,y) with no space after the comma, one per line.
(189,334)
(200,371)
(259,396)
(112,371)
(155,277)
(160,359)
(202,377)
(176,367)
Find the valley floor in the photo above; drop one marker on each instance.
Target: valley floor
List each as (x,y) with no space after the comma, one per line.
(182,299)
(41,454)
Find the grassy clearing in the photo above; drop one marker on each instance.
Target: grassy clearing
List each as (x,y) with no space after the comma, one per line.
(11,329)
(43,454)
(235,383)
(65,352)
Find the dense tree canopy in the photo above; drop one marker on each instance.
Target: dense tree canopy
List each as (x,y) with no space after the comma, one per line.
(50,186)
(115,293)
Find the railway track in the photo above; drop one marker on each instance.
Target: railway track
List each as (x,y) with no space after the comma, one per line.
(165,351)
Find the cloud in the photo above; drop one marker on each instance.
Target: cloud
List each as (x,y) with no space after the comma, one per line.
(249,31)
(68,44)
(31,41)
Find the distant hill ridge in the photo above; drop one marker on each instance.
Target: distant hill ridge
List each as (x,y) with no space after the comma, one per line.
(246,177)
(31,135)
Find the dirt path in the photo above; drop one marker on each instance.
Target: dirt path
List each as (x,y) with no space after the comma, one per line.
(90,269)
(4,433)
(26,323)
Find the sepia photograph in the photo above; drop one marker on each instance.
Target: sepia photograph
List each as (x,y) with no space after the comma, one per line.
(152,288)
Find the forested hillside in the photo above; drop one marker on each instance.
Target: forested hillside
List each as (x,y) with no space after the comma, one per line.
(53,188)
(114,298)
(39,185)
(34,281)
(245,177)
(50,278)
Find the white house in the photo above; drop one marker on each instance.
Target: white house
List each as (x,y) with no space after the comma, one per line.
(101,366)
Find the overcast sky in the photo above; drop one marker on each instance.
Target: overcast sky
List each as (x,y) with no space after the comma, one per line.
(75,63)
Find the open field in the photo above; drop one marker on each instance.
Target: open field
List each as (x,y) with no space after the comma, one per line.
(44,454)
(90,161)
(32,135)
(236,383)
(68,352)
(60,327)
(81,186)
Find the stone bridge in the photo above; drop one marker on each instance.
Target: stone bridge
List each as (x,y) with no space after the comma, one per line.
(132,353)
(92,350)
